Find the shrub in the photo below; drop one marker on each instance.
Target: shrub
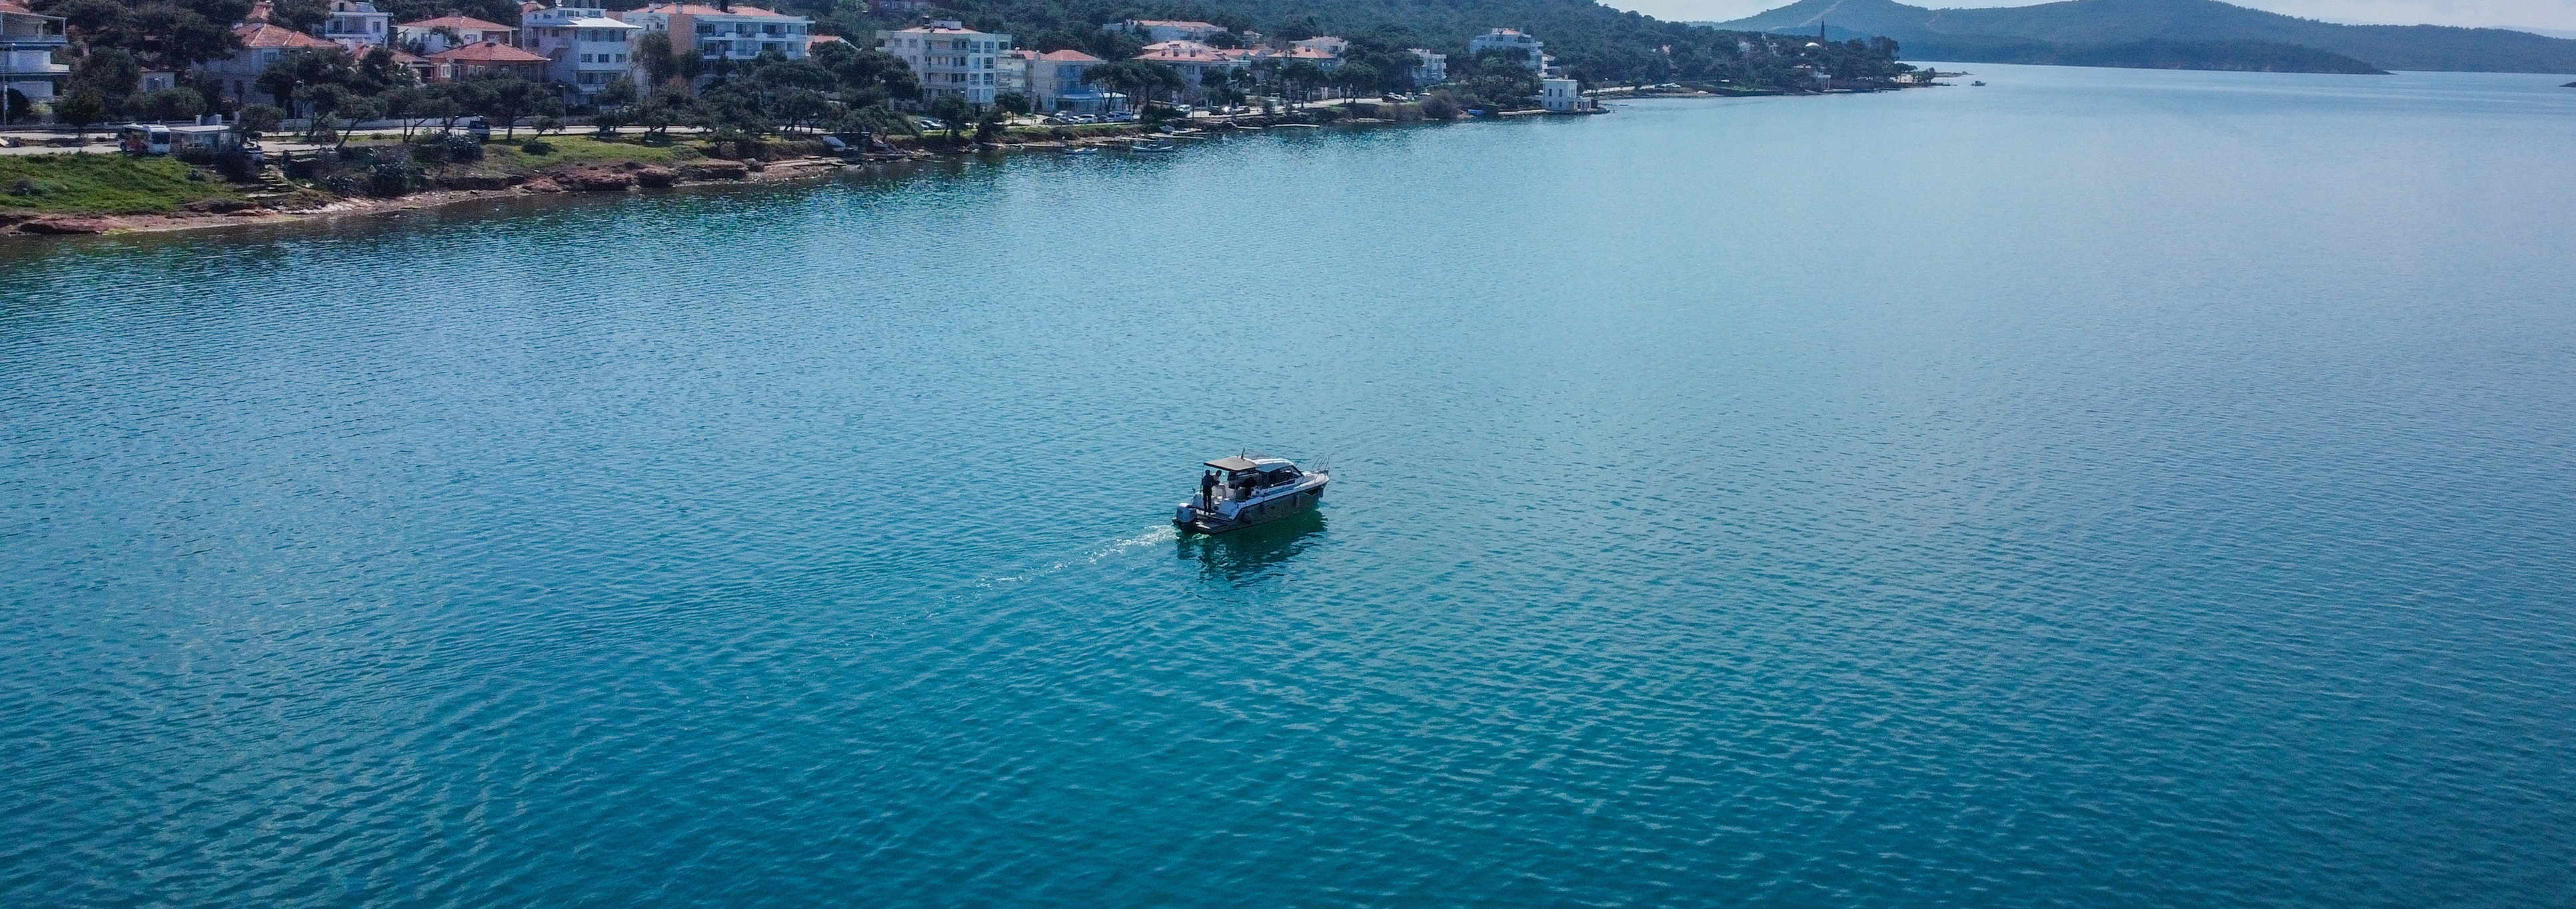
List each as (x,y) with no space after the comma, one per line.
(537,147)
(394,178)
(235,166)
(26,186)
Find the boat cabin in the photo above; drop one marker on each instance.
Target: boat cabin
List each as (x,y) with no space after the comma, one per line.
(1239,476)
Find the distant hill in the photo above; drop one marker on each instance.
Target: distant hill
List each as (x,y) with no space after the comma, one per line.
(2216,35)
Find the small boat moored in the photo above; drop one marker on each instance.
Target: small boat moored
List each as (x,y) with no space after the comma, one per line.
(1244,490)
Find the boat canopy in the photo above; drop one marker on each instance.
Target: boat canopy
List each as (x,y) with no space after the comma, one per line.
(1263,463)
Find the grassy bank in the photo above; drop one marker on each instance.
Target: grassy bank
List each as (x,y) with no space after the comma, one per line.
(105,185)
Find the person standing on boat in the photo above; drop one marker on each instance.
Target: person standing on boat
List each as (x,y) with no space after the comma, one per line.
(1207,489)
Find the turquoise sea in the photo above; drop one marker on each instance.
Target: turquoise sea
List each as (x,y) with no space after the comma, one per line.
(2099,488)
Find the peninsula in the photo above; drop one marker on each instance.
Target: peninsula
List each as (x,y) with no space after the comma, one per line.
(2167,34)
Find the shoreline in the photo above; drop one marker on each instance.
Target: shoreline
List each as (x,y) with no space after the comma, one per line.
(569,179)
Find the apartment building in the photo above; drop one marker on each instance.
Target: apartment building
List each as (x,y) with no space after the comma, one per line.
(728,33)
(950,59)
(589,50)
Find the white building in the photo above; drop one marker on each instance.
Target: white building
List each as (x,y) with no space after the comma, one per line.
(1194,61)
(27,44)
(1325,43)
(589,50)
(1512,41)
(430,36)
(1011,73)
(738,34)
(356,25)
(1429,69)
(950,59)
(1560,96)
(1156,31)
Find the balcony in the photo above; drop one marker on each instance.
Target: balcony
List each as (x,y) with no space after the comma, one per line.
(15,61)
(16,38)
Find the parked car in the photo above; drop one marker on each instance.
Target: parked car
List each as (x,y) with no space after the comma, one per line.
(930,123)
(1122,116)
(478,128)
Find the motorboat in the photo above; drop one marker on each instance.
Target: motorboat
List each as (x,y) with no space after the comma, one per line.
(1240,491)
(1153,147)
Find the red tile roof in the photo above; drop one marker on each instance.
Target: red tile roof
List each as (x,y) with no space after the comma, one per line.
(1068,56)
(20,10)
(488,52)
(459,23)
(265,34)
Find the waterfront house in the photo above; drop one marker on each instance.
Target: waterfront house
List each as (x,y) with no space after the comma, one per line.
(28,73)
(1560,96)
(430,36)
(1155,31)
(1512,41)
(737,32)
(950,59)
(468,61)
(587,50)
(1056,86)
(356,26)
(1429,69)
(262,42)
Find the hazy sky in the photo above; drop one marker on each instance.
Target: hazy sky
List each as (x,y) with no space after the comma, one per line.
(2550,14)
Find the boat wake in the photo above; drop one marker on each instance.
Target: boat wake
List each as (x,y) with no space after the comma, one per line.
(1093,556)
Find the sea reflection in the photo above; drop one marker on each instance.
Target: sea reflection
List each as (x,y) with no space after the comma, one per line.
(1249,553)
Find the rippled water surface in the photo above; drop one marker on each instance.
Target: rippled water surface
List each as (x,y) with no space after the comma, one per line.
(2099,488)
